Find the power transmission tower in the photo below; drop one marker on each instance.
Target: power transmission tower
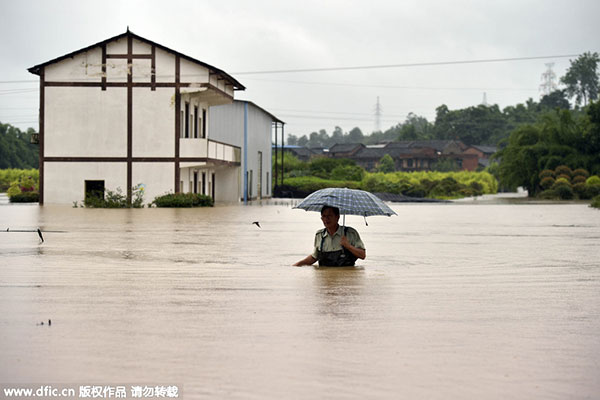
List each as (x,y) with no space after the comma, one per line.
(378,116)
(548,81)
(484,101)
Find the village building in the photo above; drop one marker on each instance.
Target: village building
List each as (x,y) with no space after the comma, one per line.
(408,155)
(483,153)
(128,111)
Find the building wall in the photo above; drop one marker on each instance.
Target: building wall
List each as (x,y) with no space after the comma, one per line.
(85,122)
(65,181)
(227,125)
(85,117)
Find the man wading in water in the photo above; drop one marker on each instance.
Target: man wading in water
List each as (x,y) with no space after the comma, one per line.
(335,246)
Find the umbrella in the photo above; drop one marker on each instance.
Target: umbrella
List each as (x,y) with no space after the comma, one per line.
(349,201)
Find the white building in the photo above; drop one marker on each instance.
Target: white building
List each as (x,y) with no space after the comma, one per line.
(245,125)
(129,111)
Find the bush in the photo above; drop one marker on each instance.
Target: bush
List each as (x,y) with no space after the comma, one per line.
(414,184)
(563,170)
(593,180)
(546,174)
(20,188)
(323,166)
(445,188)
(581,191)
(25,197)
(183,200)
(547,182)
(595,202)
(592,191)
(564,176)
(561,182)
(581,172)
(564,192)
(347,172)
(116,199)
(11,175)
(578,179)
(477,188)
(549,194)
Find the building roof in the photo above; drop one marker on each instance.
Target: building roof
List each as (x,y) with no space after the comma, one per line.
(370,153)
(236,85)
(438,145)
(275,119)
(485,149)
(345,147)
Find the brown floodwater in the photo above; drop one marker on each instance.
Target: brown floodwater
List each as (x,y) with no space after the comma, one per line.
(470,300)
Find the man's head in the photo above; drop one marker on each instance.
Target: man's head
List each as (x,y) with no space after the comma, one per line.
(330,216)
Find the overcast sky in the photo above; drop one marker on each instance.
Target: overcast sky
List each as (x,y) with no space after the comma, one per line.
(252,36)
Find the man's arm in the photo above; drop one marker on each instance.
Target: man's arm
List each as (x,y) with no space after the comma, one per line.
(309,260)
(357,251)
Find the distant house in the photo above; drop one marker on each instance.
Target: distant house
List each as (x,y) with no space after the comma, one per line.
(300,152)
(128,111)
(483,153)
(409,155)
(345,150)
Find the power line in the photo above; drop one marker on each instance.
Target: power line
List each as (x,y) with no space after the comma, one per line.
(489,60)
(389,86)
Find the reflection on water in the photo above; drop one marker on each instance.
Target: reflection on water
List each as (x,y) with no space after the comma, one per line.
(470,300)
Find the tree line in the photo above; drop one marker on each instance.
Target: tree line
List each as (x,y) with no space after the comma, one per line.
(16,150)
(477,125)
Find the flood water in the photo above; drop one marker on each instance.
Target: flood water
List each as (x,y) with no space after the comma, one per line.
(472,300)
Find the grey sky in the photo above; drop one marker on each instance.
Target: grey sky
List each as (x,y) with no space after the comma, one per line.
(243,36)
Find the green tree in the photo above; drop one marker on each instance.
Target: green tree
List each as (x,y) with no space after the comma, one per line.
(292,140)
(16,150)
(355,136)
(556,99)
(581,78)
(473,125)
(303,140)
(561,137)
(337,135)
(386,164)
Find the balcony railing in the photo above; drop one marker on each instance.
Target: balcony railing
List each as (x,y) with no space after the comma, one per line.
(209,149)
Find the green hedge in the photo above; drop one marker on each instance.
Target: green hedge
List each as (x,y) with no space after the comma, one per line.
(595,202)
(183,200)
(12,175)
(415,184)
(25,197)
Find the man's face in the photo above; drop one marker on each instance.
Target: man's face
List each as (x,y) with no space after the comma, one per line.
(330,220)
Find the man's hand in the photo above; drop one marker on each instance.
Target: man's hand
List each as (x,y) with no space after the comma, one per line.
(358,252)
(345,243)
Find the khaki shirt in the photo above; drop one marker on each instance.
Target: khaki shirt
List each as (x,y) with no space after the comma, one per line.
(333,243)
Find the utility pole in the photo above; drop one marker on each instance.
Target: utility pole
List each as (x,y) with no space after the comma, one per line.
(377,116)
(548,81)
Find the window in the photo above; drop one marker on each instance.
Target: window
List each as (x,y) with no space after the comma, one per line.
(203,135)
(187,120)
(196,122)
(94,190)
(181,122)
